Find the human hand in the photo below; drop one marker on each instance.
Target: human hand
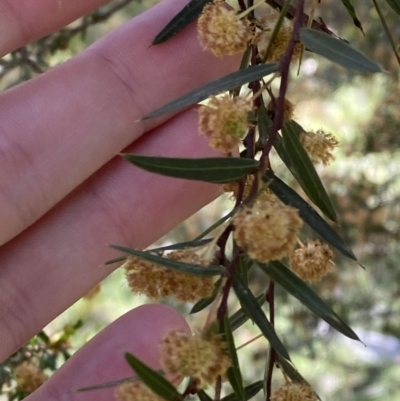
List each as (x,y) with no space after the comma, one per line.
(64,194)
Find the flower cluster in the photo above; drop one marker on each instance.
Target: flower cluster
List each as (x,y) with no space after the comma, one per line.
(278,47)
(312,261)
(221,31)
(203,358)
(29,377)
(319,146)
(268,230)
(157,282)
(223,121)
(133,391)
(294,392)
(288,109)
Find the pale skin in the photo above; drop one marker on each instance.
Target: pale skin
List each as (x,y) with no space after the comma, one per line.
(64,194)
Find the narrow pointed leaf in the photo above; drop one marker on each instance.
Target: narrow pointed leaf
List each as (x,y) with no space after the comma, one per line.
(296,287)
(182,245)
(226,83)
(395,4)
(249,392)
(254,310)
(114,383)
(337,51)
(241,316)
(264,124)
(353,14)
(153,379)
(216,170)
(290,197)
(304,171)
(184,17)
(233,373)
(172,264)
(203,303)
(203,396)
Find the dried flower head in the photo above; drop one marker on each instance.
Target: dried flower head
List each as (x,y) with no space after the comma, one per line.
(234,187)
(133,391)
(294,392)
(203,359)
(288,109)
(319,146)
(312,261)
(221,31)
(268,230)
(157,282)
(29,377)
(223,121)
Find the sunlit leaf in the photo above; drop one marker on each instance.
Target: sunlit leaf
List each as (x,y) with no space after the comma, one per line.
(181,20)
(249,392)
(295,286)
(203,303)
(172,264)
(303,169)
(233,373)
(290,197)
(241,316)
(353,14)
(226,83)
(395,4)
(152,379)
(337,51)
(248,300)
(216,170)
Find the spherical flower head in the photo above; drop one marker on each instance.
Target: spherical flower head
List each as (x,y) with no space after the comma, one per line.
(319,146)
(203,359)
(134,391)
(221,31)
(268,230)
(280,44)
(288,109)
(29,377)
(294,392)
(312,261)
(157,282)
(223,121)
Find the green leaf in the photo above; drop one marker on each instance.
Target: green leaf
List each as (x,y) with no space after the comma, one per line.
(249,392)
(337,51)
(182,245)
(264,124)
(172,264)
(153,379)
(181,20)
(113,383)
(226,83)
(304,171)
(395,4)
(296,287)
(216,170)
(203,303)
(290,197)
(249,302)
(353,14)
(234,374)
(241,316)
(203,396)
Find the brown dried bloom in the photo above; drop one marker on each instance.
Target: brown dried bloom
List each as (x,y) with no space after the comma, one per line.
(234,187)
(133,391)
(268,230)
(29,377)
(221,31)
(288,109)
(223,121)
(157,282)
(319,146)
(312,262)
(202,359)
(294,392)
